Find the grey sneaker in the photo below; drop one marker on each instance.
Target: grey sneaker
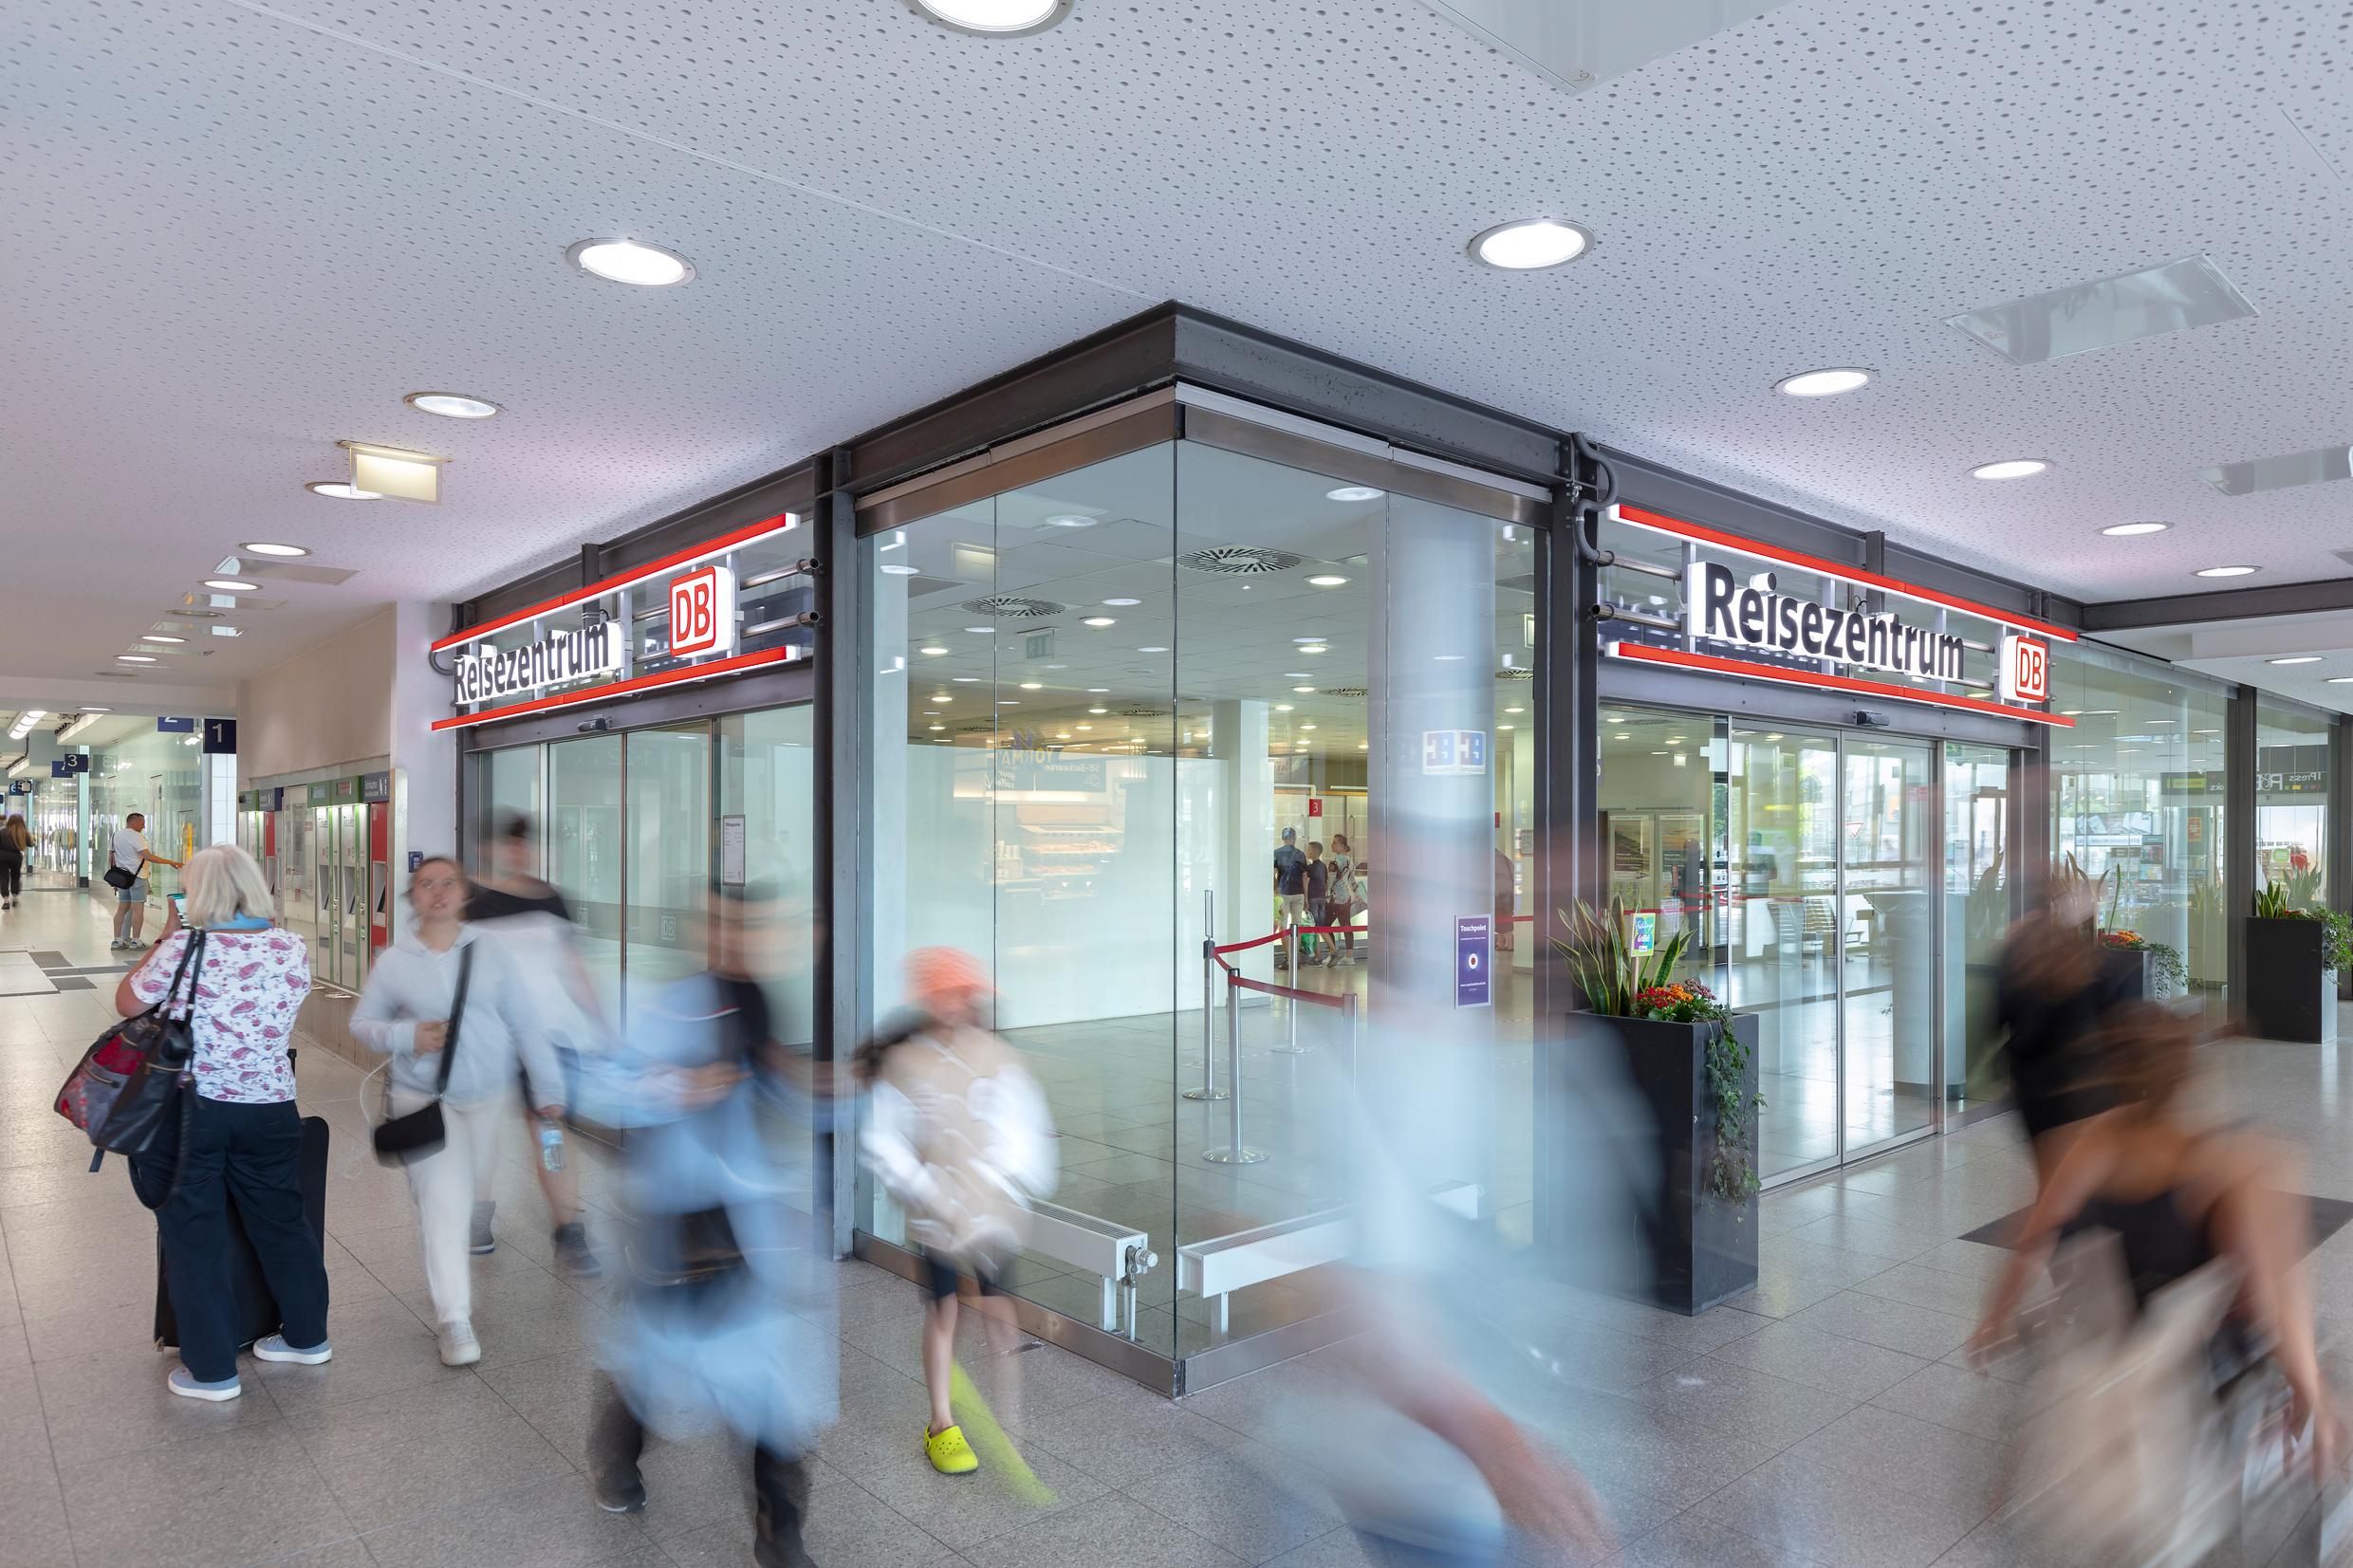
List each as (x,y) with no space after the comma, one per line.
(272,1347)
(483,1241)
(183,1383)
(459,1348)
(572,1254)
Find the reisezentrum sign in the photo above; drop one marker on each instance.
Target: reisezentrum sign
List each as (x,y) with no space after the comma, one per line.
(1721,608)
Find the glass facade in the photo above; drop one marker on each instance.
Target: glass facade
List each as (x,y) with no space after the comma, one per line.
(2292,804)
(160,776)
(2139,806)
(1107,706)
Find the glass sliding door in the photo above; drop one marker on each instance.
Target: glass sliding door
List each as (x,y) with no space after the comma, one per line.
(1977,883)
(669,862)
(583,839)
(1887,941)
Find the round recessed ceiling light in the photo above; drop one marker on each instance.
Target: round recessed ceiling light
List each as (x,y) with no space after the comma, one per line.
(2295,658)
(892,568)
(93,708)
(1099,710)
(1282,707)
(1122,603)
(1529,245)
(158,636)
(1156,648)
(1098,691)
(2133,530)
(231,585)
(1069,519)
(451,405)
(335,490)
(1313,648)
(288,550)
(134,659)
(1823,383)
(1033,686)
(993,18)
(1304,690)
(931,650)
(1354,492)
(1326,580)
(2229,571)
(630,261)
(2010,468)
(1099,621)
(965,680)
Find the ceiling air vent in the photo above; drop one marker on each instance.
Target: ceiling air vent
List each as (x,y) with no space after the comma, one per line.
(1239,560)
(1344,691)
(1013,607)
(1513,672)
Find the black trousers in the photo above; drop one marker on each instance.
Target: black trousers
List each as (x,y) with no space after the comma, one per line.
(255,1153)
(780,1484)
(11,875)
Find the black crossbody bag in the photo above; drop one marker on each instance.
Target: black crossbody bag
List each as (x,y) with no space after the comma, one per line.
(400,1139)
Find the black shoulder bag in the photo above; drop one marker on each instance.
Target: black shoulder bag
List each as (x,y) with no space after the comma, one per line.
(129,1086)
(400,1139)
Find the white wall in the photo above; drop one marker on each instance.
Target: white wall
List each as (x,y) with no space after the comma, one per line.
(424,760)
(328,705)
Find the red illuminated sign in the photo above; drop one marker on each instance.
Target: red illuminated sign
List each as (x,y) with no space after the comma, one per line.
(1642,652)
(702,613)
(2026,669)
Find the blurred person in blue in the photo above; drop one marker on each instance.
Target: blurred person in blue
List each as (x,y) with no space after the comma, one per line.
(526,913)
(703,1342)
(959,1136)
(442,999)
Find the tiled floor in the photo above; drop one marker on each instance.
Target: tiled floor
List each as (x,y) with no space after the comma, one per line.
(1825,1418)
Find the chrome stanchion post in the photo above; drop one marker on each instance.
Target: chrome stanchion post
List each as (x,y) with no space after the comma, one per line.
(1348,1020)
(1236,1154)
(1208,1089)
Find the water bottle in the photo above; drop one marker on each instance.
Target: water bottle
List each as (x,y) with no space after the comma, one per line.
(551,1146)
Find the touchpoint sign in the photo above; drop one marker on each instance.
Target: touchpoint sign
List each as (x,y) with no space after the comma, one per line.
(576,655)
(1719,608)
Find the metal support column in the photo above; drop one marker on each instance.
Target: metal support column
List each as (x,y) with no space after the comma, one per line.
(2339,835)
(2238,833)
(841,742)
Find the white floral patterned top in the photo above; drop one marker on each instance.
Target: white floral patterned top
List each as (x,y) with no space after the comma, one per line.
(249,989)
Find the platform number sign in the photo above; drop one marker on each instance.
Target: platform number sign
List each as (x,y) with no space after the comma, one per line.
(2026,669)
(702,613)
(1453,752)
(220,737)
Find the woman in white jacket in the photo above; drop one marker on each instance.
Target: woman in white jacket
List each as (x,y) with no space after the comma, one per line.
(405,1014)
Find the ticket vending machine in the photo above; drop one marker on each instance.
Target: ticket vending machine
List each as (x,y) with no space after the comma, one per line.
(376,802)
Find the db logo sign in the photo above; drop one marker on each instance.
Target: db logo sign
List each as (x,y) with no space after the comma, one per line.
(702,613)
(2026,669)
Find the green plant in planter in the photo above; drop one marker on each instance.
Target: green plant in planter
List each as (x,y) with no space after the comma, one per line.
(2272,903)
(2337,947)
(1620,983)
(2172,975)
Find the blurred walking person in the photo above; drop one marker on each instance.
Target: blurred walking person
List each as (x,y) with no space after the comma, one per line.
(2055,989)
(442,991)
(1341,906)
(527,913)
(702,1341)
(15,845)
(960,1137)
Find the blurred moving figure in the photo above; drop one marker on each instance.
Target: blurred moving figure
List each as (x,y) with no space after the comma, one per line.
(531,916)
(442,988)
(702,1340)
(2056,988)
(960,1137)
(2210,1234)
(15,844)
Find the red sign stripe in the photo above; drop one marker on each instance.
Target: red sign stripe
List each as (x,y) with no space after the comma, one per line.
(1643,518)
(1643,653)
(623,688)
(744,535)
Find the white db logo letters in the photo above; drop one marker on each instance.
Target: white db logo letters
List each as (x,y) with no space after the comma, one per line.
(2026,669)
(702,613)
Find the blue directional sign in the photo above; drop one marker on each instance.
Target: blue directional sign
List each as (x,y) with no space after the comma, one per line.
(69,765)
(169,726)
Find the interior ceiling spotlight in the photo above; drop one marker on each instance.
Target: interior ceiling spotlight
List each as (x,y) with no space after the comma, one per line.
(2229,571)
(1354,492)
(2132,530)
(134,659)
(1122,603)
(1069,519)
(1823,383)
(1529,245)
(1099,621)
(2295,658)
(285,550)
(2010,468)
(158,636)
(993,18)
(334,490)
(631,262)
(231,585)
(451,405)
(1327,581)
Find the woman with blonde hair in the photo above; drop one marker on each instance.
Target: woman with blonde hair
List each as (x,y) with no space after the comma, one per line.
(244,1136)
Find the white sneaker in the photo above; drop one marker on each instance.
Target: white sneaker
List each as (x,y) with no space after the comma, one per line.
(272,1347)
(459,1348)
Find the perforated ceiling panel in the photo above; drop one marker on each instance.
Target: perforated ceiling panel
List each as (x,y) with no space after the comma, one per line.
(242,231)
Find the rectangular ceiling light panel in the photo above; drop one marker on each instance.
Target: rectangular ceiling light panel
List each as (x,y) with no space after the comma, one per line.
(2286,472)
(2085,316)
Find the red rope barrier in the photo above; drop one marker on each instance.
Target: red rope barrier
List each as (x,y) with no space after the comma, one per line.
(1313,997)
(1253,942)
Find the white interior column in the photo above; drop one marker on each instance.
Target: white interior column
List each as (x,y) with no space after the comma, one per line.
(1428,1072)
(1245,803)
(424,760)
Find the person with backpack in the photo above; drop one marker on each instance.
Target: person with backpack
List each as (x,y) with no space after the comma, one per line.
(456,1019)
(243,987)
(960,1139)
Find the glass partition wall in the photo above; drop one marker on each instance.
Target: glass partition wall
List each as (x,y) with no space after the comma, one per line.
(1190,698)
(2291,803)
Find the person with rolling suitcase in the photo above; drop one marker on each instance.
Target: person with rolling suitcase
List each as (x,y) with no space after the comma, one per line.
(237,1135)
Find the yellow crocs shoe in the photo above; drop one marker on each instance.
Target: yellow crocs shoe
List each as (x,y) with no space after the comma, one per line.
(950,1454)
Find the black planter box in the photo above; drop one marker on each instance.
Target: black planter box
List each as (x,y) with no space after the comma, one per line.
(1698,1250)
(2291,994)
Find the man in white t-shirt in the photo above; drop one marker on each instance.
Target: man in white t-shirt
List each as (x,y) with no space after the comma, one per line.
(130,855)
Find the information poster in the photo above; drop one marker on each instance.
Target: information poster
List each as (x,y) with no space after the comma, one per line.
(1474,940)
(732,850)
